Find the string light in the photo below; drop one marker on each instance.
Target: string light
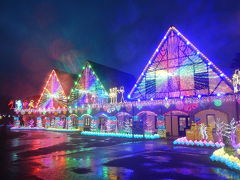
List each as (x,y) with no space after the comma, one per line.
(201,79)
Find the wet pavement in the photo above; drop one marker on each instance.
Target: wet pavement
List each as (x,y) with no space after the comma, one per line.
(38,154)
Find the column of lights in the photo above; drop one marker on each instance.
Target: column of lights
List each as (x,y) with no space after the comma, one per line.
(44,89)
(188,43)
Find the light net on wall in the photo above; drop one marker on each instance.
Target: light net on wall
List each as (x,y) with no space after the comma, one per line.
(88,89)
(178,69)
(53,95)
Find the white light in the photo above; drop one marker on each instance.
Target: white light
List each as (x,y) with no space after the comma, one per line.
(199,96)
(188,43)
(218,94)
(164,37)
(198,52)
(221,74)
(157,50)
(166,98)
(129,96)
(178,33)
(139,100)
(181,97)
(209,63)
(151,99)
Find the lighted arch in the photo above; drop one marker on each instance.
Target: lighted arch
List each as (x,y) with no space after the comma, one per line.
(147,112)
(176,112)
(223,116)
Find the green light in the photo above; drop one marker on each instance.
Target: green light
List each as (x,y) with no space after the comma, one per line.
(79,75)
(217,102)
(89,66)
(75,82)
(83,67)
(89,111)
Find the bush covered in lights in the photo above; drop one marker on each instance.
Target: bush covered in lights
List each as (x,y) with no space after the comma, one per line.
(221,156)
(124,135)
(67,130)
(185,141)
(26,128)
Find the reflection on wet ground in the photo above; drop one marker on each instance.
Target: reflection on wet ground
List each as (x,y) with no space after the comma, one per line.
(57,155)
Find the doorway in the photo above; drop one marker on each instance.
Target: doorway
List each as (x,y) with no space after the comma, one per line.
(183,124)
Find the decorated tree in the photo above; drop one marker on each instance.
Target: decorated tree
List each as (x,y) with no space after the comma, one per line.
(69,123)
(16,122)
(219,130)
(127,126)
(39,122)
(229,137)
(31,123)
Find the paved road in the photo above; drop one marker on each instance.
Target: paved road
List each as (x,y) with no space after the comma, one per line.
(50,155)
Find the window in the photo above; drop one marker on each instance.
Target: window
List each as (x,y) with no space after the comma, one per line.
(150,86)
(87,121)
(201,80)
(211,120)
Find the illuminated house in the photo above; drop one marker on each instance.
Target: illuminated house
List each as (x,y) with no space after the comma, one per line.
(187,84)
(94,82)
(178,86)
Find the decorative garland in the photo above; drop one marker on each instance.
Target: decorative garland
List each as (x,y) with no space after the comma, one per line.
(124,135)
(229,160)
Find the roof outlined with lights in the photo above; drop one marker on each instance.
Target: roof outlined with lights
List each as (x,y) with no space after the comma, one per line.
(177,69)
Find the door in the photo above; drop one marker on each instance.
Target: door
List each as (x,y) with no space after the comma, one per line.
(183,124)
(87,123)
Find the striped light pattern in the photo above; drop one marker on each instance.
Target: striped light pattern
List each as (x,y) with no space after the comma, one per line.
(178,69)
(53,95)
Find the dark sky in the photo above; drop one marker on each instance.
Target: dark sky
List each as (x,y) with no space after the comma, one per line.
(37,36)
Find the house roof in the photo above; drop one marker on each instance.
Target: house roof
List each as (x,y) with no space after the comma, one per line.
(66,80)
(111,77)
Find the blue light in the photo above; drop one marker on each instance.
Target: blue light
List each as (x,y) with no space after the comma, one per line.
(122,135)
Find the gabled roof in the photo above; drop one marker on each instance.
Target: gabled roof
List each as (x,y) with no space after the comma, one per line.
(111,77)
(66,79)
(53,94)
(177,68)
(96,79)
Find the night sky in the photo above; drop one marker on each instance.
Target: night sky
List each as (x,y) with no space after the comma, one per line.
(37,36)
